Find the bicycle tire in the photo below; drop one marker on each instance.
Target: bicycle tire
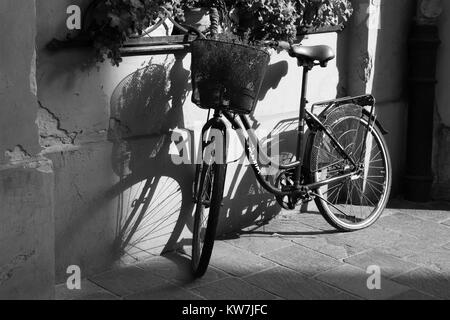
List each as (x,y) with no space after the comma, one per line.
(330,203)
(203,238)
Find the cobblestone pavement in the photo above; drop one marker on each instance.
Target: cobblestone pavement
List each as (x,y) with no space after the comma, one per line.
(299,256)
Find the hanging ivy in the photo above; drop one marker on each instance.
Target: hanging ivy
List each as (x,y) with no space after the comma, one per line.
(115,21)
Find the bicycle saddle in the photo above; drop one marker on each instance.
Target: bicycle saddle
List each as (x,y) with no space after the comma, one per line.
(322,54)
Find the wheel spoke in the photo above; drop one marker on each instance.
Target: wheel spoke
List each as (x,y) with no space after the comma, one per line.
(359,200)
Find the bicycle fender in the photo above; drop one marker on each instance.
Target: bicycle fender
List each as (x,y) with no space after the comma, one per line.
(362,101)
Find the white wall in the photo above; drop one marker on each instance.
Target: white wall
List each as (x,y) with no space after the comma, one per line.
(123,140)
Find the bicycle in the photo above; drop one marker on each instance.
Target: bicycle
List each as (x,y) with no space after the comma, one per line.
(344,166)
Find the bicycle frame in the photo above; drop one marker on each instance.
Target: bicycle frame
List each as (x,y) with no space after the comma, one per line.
(313,123)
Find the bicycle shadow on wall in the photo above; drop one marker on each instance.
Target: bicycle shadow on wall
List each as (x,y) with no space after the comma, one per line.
(154,195)
(154,207)
(246,203)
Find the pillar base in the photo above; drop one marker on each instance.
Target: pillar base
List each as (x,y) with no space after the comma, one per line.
(418,188)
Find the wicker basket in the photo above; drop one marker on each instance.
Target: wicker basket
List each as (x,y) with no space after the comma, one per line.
(227,76)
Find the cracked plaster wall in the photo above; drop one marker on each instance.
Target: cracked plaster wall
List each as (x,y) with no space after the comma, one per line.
(78,126)
(17,66)
(78,130)
(26,177)
(73,122)
(69,122)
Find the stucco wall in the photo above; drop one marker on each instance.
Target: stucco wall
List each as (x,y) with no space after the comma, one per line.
(26,177)
(16,79)
(108,132)
(109,142)
(73,121)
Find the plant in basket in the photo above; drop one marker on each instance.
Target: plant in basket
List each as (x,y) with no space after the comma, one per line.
(112,22)
(317,14)
(261,19)
(228,70)
(197,13)
(283,20)
(227,73)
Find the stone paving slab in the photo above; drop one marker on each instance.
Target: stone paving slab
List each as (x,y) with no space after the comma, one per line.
(128,280)
(437,216)
(433,211)
(390,266)
(413,295)
(298,256)
(406,246)
(289,227)
(259,244)
(354,280)
(302,260)
(165,291)
(88,291)
(233,288)
(236,261)
(291,285)
(437,259)
(321,244)
(292,221)
(363,240)
(424,230)
(176,268)
(381,237)
(427,281)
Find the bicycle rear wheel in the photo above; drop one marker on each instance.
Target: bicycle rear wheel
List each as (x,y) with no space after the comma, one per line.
(358,201)
(209,197)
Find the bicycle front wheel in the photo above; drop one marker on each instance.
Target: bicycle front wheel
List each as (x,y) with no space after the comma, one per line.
(208,204)
(358,201)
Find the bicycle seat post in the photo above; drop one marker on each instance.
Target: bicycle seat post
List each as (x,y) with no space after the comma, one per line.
(301,124)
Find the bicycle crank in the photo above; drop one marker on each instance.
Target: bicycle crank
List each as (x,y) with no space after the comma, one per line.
(285,182)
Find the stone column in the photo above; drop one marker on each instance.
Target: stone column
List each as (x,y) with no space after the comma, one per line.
(441,157)
(376,54)
(423,45)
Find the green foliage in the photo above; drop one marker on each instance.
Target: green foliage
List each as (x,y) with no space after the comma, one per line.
(283,19)
(115,21)
(323,13)
(267,20)
(197,3)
